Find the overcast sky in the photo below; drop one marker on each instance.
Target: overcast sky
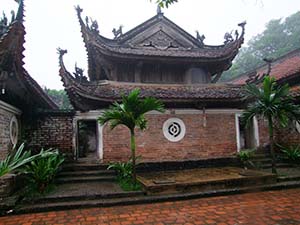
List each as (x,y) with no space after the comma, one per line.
(53,23)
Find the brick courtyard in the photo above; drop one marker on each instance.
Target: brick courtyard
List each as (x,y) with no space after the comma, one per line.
(273,207)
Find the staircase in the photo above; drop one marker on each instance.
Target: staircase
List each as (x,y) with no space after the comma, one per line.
(263,160)
(81,185)
(85,172)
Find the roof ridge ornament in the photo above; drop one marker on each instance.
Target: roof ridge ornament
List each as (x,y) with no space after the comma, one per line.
(159,12)
(20,13)
(200,38)
(228,37)
(118,33)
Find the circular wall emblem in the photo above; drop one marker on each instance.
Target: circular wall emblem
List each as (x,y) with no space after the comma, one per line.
(174,129)
(298,127)
(14,130)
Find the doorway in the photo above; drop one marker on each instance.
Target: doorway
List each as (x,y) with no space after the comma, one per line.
(87,140)
(247,136)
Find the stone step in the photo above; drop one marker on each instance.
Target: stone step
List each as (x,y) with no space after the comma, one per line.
(84,197)
(84,179)
(84,173)
(288,178)
(278,165)
(56,206)
(83,167)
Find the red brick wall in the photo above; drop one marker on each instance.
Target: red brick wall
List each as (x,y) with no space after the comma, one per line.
(263,132)
(53,131)
(288,136)
(216,140)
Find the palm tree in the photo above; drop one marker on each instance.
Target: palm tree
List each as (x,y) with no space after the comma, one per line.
(131,113)
(273,103)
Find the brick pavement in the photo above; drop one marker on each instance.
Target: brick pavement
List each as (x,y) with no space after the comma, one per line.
(272,207)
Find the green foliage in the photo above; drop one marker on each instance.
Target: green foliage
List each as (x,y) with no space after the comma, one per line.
(271,101)
(124,175)
(165,3)
(245,154)
(279,37)
(123,169)
(131,113)
(129,185)
(291,153)
(60,98)
(42,171)
(15,160)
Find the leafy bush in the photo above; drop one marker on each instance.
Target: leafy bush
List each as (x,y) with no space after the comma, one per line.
(291,153)
(42,171)
(15,160)
(123,169)
(245,156)
(124,175)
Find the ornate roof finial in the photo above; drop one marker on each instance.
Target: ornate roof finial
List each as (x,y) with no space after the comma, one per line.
(200,38)
(20,13)
(78,10)
(94,26)
(158,10)
(117,33)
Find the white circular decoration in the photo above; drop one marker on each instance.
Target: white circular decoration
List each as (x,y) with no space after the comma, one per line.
(13,130)
(298,127)
(174,129)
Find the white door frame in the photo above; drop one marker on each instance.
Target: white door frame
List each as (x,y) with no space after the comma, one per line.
(255,130)
(92,116)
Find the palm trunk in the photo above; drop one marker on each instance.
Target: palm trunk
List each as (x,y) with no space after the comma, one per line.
(132,147)
(271,136)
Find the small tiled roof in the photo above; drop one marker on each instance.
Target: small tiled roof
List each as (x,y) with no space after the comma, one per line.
(282,68)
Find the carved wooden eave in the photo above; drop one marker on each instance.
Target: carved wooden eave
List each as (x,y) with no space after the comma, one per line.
(89,95)
(155,40)
(16,81)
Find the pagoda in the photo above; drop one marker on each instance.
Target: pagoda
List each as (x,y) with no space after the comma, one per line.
(163,61)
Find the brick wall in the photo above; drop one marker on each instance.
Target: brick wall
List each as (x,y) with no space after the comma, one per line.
(216,140)
(288,136)
(53,131)
(263,132)
(6,113)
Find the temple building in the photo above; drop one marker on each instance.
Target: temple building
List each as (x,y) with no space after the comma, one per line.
(163,61)
(202,118)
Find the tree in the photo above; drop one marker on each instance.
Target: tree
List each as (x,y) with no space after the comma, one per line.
(59,97)
(279,38)
(273,103)
(131,113)
(165,3)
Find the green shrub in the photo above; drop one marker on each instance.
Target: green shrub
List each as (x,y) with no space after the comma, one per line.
(245,156)
(124,175)
(123,169)
(291,153)
(42,171)
(15,160)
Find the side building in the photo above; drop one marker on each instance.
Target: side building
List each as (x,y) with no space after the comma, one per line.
(285,69)
(21,98)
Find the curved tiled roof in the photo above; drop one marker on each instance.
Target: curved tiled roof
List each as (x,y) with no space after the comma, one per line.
(181,46)
(12,43)
(109,91)
(283,68)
